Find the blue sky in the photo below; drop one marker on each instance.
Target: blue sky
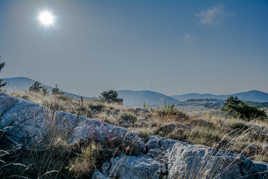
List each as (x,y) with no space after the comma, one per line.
(170,46)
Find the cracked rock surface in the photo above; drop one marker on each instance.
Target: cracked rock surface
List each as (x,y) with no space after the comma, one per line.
(26,123)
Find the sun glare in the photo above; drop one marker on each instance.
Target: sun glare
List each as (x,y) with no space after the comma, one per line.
(46,18)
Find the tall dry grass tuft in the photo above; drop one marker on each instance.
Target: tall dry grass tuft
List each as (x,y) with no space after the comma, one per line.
(171,113)
(52,157)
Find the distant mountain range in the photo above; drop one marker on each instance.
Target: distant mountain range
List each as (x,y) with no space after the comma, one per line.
(151,98)
(253,95)
(184,97)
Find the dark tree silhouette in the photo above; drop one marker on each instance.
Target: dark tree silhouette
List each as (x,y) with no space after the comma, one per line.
(2,82)
(110,96)
(237,108)
(56,90)
(45,91)
(36,87)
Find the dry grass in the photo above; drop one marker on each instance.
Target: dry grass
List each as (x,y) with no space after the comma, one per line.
(52,158)
(85,162)
(47,159)
(170,113)
(206,127)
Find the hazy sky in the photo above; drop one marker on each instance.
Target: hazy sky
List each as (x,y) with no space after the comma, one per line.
(170,46)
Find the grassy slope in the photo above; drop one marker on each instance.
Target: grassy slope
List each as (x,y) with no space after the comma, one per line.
(211,128)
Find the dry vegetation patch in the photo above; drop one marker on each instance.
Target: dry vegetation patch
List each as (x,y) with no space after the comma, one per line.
(212,127)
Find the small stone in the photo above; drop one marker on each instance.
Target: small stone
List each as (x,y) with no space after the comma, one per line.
(98,175)
(153,142)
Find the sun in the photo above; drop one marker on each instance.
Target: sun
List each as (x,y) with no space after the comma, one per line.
(46,18)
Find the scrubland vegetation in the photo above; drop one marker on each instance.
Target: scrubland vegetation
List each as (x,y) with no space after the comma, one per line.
(237,128)
(216,128)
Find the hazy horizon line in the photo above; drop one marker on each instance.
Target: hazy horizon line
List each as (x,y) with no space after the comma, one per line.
(140,90)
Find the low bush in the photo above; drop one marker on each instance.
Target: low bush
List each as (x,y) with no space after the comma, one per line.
(237,108)
(127,120)
(35,87)
(82,111)
(25,97)
(168,111)
(110,96)
(84,164)
(96,107)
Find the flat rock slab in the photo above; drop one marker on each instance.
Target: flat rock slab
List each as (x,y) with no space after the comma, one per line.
(133,167)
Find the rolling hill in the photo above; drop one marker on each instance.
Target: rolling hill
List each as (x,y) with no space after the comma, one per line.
(253,95)
(149,98)
(18,84)
(23,84)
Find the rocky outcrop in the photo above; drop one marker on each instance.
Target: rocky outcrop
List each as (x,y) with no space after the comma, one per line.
(133,167)
(166,158)
(25,123)
(193,161)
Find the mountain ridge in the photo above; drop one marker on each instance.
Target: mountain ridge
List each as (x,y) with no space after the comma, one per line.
(250,95)
(145,97)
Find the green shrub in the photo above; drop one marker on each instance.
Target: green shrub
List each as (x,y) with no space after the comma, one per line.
(127,120)
(82,111)
(237,108)
(25,97)
(110,96)
(239,125)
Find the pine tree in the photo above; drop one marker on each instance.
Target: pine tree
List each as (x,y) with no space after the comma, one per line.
(36,87)
(56,90)
(45,91)
(237,108)
(110,96)
(2,82)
